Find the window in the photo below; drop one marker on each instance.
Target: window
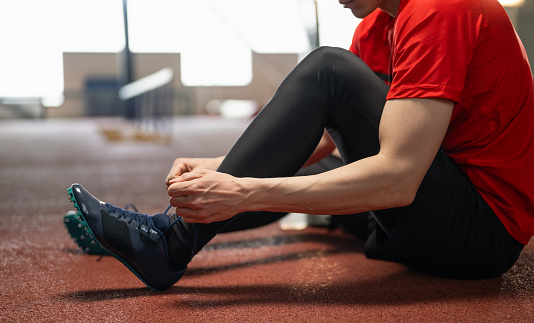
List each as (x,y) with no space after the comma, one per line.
(38,32)
(215,38)
(31,61)
(336,24)
(91,25)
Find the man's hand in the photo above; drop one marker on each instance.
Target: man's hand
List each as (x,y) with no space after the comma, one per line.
(205,196)
(184,165)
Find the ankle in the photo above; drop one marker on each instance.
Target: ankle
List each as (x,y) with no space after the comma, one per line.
(180,244)
(179,255)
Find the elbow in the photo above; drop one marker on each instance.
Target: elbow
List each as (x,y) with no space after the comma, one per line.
(403,195)
(405,198)
(405,187)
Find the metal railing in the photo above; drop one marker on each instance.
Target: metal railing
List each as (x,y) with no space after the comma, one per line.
(149,105)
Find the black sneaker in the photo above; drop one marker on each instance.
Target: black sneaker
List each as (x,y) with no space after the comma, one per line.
(137,240)
(79,234)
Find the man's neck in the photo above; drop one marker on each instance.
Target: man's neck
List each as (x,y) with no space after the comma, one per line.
(391,7)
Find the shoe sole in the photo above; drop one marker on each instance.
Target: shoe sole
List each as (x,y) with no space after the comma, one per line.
(88,230)
(80,236)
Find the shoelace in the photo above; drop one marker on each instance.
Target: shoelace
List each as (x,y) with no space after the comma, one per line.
(130,205)
(146,221)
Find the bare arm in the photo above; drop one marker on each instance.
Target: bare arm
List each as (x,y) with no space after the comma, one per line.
(411,132)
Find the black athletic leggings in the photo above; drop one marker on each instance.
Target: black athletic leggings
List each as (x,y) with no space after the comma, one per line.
(448,229)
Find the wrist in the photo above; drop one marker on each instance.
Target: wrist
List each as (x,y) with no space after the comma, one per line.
(216,162)
(257,192)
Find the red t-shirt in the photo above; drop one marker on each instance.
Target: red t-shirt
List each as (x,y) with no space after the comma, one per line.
(466,51)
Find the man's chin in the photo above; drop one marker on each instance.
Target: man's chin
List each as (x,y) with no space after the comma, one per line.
(360,13)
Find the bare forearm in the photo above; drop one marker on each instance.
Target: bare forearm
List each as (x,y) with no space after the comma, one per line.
(369,184)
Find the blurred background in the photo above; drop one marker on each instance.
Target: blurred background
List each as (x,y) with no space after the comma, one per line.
(107,93)
(71,58)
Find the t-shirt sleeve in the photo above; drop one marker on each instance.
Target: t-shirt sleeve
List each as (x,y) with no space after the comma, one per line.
(433,46)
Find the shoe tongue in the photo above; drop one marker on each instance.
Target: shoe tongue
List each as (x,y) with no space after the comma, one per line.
(161,221)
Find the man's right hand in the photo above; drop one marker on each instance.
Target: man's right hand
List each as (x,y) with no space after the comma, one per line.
(184,165)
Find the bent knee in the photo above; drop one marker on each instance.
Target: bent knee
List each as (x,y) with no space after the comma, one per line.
(331,54)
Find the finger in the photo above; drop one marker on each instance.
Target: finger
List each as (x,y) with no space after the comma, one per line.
(180,189)
(189,176)
(178,168)
(183,202)
(184,185)
(191,216)
(168,180)
(174,173)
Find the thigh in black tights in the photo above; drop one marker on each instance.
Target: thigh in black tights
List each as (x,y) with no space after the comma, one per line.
(331,88)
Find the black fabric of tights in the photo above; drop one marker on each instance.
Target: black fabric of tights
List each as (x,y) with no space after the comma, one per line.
(448,230)
(331,88)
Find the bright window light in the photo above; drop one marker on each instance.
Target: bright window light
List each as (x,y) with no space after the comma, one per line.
(512,3)
(31,60)
(214,37)
(200,67)
(161,25)
(336,24)
(273,26)
(213,53)
(35,34)
(158,26)
(91,25)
